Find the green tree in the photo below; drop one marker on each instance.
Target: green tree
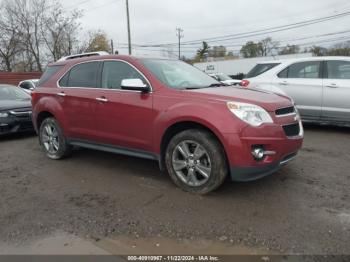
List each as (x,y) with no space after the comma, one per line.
(202,52)
(251,49)
(98,42)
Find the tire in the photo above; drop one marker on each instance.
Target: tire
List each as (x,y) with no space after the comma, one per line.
(52,140)
(200,170)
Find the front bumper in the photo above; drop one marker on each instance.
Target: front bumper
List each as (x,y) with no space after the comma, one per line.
(272,138)
(16,124)
(246,174)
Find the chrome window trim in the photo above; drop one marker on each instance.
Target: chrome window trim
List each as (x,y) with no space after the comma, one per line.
(96,88)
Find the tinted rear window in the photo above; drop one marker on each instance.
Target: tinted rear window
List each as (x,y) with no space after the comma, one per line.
(50,71)
(82,75)
(260,69)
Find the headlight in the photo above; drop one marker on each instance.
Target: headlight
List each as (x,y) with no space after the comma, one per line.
(3,114)
(251,114)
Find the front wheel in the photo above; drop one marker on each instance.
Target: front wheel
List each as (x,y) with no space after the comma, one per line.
(52,140)
(196,162)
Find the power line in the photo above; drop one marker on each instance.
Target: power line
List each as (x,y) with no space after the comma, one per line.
(258,32)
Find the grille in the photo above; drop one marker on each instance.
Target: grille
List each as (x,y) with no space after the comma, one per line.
(292,130)
(285,111)
(25,113)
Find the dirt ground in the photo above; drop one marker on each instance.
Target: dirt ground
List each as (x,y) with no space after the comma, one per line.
(95,202)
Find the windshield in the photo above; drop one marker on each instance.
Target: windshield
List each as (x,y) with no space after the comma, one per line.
(179,75)
(12,93)
(260,69)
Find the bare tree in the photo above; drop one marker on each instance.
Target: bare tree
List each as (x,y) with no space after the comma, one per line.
(267,46)
(59,30)
(10,43)
(28,15)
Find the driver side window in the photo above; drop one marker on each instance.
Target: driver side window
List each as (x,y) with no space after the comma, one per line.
(114,72)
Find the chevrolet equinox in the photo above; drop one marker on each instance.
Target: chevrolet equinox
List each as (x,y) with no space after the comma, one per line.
(198,130)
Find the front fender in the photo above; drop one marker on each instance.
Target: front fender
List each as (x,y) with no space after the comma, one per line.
(212,115)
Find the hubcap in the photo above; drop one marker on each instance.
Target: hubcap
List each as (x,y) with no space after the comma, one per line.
(191,163)
(49,138)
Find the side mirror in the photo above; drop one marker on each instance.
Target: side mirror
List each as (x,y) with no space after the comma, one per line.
(134,85)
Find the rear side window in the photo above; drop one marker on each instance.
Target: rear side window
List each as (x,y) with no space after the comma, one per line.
(82,75)
(302,70)
(114,72)
(338,69)
(260,69)
(49,72)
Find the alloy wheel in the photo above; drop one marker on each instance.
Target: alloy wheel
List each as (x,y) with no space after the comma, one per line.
(50,139)
(191,163)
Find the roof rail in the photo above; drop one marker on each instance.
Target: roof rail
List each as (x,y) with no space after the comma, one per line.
(99,53)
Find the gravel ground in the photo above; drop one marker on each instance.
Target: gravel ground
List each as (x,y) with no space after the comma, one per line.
(303,209)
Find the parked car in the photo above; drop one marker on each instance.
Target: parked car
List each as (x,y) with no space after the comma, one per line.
(28,85)
(320,86)
(15,110)
(197,129)
(225,79)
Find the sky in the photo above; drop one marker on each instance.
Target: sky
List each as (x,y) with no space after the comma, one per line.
(155,22)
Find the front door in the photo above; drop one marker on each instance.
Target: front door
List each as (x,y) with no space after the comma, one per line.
(125,119)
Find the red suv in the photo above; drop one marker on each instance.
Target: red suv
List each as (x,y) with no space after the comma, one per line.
(198,130)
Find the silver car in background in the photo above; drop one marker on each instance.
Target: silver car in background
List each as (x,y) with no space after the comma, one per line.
(320,86)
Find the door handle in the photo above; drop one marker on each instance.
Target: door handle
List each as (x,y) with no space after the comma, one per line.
(284,83)
(332,86)
(62,94)
(102,99)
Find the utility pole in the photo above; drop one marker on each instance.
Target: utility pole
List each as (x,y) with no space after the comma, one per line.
(179,34)
(112,46)
(128,20)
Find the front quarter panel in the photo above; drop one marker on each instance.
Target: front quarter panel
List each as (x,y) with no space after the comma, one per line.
(213,115)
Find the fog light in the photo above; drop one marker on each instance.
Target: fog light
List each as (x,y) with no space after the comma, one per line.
(258,153)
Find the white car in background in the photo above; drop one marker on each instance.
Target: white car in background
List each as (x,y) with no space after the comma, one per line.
(225,79)
(320,86)
(28,85)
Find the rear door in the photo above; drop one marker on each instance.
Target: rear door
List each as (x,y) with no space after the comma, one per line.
(78,92)
(336,98)
(125,118)
(303,82)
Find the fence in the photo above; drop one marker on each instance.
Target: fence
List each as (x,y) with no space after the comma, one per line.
(15,78)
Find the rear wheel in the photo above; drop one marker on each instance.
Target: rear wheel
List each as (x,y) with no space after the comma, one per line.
(52,139)
(196,161)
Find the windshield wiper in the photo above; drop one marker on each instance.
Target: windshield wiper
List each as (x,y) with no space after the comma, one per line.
(217,85)
(193,88)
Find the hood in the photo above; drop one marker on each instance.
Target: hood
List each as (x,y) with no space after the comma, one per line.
(14,104)
(269,101)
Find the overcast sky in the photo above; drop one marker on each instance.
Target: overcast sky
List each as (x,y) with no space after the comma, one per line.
(155,21)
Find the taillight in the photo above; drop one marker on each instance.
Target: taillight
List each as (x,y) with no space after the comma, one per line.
(245,83)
